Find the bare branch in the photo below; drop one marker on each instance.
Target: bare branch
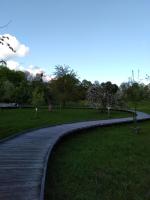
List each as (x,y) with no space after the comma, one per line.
(4,26)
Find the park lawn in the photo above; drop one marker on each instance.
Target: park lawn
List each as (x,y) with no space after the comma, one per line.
(104,163)
(142,106)
(109,163)
(16,120)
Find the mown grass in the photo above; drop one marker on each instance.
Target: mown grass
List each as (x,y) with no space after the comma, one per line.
(141,106)
(16,120)
(110,163)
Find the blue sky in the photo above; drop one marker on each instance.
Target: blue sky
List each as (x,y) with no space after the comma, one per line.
(100,39)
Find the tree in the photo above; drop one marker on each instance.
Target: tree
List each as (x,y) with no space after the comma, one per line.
(37,97)
(134,92)
(61,71)
(49,97)
(15,77)
(103,95)
(8,91)
(23,93)
(94,95)
(83,88)
(14,86)
(109,91)
(65,84)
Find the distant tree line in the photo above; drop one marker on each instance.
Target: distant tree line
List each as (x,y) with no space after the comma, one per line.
(23,88)
(65,87)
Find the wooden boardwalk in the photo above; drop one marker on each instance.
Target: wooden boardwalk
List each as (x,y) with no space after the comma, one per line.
(23,159)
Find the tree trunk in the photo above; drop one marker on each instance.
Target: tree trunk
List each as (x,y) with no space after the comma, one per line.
(49,105)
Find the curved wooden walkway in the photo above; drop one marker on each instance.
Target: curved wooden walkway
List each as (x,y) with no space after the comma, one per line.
(23,159)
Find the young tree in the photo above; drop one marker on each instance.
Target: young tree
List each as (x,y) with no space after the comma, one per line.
(37,97)
(134,92)
(94,95)
(103,95)
(49,96)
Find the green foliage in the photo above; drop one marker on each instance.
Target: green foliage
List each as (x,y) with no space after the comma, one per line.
(135,92)
(15,77)
(65,88)
(23,93)
(61,71)
(7,91)
(37,97)
(83,88)
(14,86)
(64,85)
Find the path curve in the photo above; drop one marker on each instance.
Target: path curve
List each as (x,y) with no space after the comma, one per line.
(23,159)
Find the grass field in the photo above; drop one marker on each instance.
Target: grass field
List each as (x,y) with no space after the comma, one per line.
(16,120)
(142,106)
(110,163)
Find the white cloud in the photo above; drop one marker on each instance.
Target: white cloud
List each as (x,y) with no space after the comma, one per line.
(33,70)
(14,65)
(6,53)
(37,70)
(47,78)
(20,51)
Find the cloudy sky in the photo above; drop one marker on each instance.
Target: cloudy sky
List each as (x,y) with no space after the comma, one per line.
(100,39)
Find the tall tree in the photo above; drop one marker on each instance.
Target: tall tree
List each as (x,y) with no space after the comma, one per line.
(64,84)
(38,90)
(83,88)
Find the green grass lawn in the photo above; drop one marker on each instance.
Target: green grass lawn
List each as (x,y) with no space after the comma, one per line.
(142,106)
(15,120)
(109,163)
